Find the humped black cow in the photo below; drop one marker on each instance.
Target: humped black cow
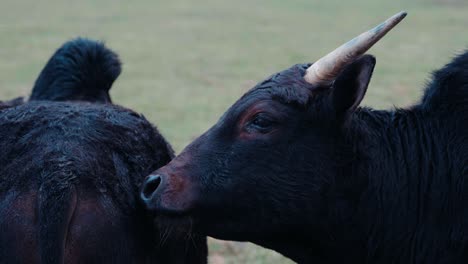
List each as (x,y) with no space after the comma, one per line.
(70,171)
(297,166)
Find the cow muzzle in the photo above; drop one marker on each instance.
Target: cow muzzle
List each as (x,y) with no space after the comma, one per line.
(149,191)
(167,193)
(149,188)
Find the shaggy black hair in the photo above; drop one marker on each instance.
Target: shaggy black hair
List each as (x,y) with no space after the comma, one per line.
(69,175)
(82,69)
(70,172)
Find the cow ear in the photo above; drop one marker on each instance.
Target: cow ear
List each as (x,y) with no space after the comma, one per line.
(351,85)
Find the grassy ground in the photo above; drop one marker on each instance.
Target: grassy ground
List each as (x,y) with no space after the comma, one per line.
(186,61)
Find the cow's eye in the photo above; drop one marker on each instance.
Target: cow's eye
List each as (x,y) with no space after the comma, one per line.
(261,122)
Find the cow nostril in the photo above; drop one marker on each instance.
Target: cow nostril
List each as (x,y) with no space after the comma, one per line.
(150,186)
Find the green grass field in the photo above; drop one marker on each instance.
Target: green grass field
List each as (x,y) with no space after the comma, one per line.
(186,61)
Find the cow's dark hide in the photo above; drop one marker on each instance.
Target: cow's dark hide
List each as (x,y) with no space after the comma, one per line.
(303,170)
(69,171)
(69,178)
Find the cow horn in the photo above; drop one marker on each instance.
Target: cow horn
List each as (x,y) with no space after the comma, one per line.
(326,69)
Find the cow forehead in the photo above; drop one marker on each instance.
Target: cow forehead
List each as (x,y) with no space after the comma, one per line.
(287,86)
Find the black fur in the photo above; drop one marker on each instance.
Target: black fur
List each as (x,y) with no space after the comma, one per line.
(299,169)
(69,172)
(80,70)
(76,168)
(449,86)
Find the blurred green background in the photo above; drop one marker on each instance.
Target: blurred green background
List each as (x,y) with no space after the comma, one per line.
(186,61)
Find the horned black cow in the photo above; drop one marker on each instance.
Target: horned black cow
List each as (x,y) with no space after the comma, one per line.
(296,166)
(69,172)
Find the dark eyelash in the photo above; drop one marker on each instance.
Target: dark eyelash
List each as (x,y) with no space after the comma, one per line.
(260,122)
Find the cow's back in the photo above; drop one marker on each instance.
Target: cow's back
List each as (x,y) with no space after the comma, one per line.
(69,175)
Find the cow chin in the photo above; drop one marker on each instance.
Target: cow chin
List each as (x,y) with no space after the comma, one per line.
(178,226)
(223,229)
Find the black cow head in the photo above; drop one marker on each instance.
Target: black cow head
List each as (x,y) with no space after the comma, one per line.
(264,171)
(268,161)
